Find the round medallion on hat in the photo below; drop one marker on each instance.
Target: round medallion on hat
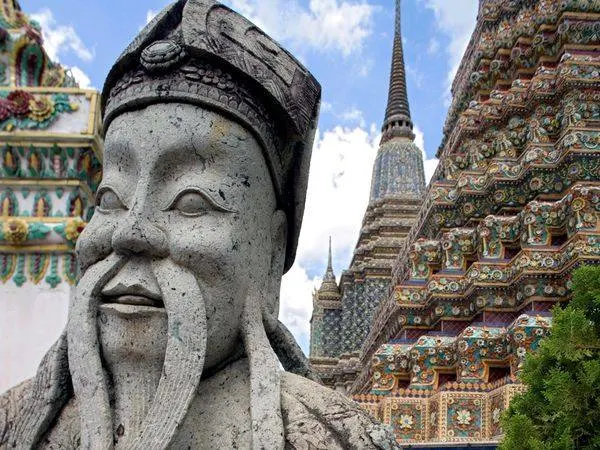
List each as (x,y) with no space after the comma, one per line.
(162,55)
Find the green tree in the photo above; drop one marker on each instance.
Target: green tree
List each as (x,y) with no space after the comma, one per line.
(561,408)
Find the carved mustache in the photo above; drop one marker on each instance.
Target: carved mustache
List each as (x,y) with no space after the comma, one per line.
(135,284)
(184,356)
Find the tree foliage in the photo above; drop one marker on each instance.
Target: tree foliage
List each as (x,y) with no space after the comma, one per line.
(561,407)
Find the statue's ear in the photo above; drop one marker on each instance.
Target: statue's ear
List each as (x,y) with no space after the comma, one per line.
(278,253)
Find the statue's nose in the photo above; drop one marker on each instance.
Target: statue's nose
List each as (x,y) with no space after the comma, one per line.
(138,235)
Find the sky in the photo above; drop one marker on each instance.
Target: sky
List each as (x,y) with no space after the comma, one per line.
(347,45)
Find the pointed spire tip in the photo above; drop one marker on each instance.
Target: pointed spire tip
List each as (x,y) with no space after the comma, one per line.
(397,114)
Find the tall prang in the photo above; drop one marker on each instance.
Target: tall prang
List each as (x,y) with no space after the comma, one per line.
(512,210)
(340,325)
(50,153)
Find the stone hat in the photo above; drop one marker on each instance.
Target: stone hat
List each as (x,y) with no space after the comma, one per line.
(203,53)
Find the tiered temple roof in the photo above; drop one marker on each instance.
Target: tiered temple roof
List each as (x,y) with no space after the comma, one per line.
(50,153)
(398,183)
(513,209)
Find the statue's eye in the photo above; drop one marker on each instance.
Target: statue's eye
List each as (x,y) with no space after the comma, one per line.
(107,200)
(191,203)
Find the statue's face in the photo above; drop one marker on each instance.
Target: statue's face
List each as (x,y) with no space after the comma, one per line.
(189,186)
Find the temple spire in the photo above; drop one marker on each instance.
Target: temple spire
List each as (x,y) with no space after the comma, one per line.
(398,168)
(397,120)
(330,259)
(329,285)
(329,274)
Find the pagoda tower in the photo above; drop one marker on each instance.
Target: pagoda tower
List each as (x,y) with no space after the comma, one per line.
(50,153)
(325,300)
(397,186)
(512,210)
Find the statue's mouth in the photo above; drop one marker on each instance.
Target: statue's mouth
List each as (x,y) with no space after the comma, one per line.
(135,300)
(132,294)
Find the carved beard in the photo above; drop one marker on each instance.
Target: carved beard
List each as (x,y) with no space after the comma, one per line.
(183,365)
(83,365)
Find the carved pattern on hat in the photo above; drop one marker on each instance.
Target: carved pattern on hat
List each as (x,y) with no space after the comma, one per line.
(230,36)
(204,83)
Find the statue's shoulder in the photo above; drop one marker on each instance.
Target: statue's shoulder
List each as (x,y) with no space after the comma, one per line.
(318,417)
(13,410)
(11,404)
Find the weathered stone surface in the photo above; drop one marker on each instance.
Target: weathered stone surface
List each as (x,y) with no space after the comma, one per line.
(173,339)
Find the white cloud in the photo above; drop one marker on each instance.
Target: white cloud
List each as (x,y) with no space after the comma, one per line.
(429,164)
(60,39)
(456,19)
(80,76)
(338,193)
(326,25)
(296,302)
(420,139)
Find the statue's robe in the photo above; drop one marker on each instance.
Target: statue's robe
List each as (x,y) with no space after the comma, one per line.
(314,417)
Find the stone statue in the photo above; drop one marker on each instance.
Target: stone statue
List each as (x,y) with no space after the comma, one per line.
(173,339)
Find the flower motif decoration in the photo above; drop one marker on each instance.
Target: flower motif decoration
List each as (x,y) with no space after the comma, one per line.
(20,101)
(40,109)
(405,422)
(578,204)
(463,417)
(536,184)
(15,231)
(22,110)
(529,290)
(499,196)
(71,229)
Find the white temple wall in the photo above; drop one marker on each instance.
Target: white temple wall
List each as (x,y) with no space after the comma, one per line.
(33,316)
